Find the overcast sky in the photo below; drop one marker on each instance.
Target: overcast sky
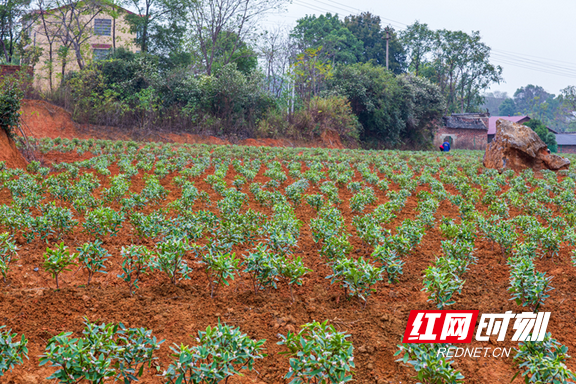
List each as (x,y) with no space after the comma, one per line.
(533,41)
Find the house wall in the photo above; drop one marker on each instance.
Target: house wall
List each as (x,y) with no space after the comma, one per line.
(120,34)
(567,149)
(462,138)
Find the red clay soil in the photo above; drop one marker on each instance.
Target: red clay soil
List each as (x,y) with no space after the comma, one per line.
(29,304)
(9,153)
(42,119)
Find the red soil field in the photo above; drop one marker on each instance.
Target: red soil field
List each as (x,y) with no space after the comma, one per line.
(30,304)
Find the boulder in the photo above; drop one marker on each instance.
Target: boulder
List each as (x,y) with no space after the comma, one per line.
(518,147)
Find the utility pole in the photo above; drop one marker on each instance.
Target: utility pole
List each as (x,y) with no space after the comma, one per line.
(387,39)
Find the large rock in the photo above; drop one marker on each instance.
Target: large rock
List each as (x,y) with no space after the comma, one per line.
(518,147)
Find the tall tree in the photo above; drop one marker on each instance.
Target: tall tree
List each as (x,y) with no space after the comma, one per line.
(310,73)
(275,50)
(367,28)
(158,23)
(71,22)
(418,41)
(216,24)
(390,108)
(507,108)
(12,13)
(461,67)
(569,98)
(335,42)
(493,100)
(532,100)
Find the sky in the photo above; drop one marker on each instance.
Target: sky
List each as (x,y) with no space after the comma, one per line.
(533,41)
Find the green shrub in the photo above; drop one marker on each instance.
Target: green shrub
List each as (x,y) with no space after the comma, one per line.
(261,267)
(92,257)
(102,222)
(431,365)
(8,253)
(58,260)
(12,352)
(170,258)
(543,361)
(223,352)
(356,276)
(104,352)
(319,354)
(11,96)
(220,267)
(135,260)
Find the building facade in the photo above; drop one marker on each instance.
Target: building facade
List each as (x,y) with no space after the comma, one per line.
(463,131)
(72,38)
(566,142)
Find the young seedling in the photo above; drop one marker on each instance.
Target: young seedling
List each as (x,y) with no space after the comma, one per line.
(170,258)
(543,361)
(220,267)
(260,266)
(291,271)
(222,353)
(12,351)
(430,365)
(93,256)
(319,354)
(103,222)
(57,260)
(104,352)
(390,260)
(136,259)
(8,253)
(356,276)
(441,281)
(528,287)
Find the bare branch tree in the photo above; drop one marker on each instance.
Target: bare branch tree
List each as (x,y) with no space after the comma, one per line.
(276,52)
(226,23)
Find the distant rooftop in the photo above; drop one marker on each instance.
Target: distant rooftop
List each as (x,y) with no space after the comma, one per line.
(465,121)
(514,119)
(565,139)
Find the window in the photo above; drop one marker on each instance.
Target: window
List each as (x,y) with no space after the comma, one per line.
(101,54)
(102,27)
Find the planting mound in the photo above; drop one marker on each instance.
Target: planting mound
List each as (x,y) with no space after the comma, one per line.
(9,153)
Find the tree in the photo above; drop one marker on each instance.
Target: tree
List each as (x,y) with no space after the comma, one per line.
(418,42)
(424,105)
(569,98)
(235,51)
(225,23)
(12,13)
(276,50)
(158,24)
(310,73)
(529,99)
(461,67)
(70,22)
(493,100)
(367,28)
(327,34)
(507,108)
(542,131)
(391,109)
